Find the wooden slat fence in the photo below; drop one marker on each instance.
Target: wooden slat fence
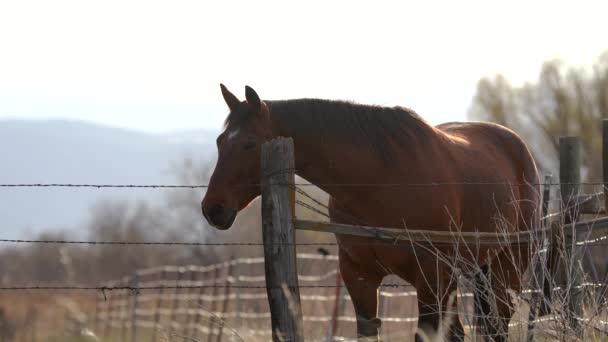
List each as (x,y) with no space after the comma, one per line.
(199,312)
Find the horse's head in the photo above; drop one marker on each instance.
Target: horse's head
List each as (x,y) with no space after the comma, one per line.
(235,180)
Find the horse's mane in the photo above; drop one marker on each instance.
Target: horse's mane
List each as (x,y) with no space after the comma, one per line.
(386,129)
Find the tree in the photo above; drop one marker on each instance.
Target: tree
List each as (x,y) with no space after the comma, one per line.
(563,101)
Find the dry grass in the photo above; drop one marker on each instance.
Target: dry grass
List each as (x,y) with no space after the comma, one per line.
(43,315)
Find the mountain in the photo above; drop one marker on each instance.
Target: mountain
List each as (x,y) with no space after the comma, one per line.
(63,151)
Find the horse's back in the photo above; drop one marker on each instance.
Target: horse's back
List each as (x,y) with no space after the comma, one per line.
(504,157)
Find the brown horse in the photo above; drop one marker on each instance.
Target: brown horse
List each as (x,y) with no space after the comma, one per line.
(483,175)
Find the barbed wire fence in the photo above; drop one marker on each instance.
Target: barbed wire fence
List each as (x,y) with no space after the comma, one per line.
(228,301)
(134,305)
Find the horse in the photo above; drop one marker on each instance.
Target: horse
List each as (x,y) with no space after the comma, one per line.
(475,176)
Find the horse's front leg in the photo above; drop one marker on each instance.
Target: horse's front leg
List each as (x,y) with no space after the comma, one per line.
(362,285)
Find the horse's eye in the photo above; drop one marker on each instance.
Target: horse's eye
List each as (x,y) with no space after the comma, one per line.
(249,145)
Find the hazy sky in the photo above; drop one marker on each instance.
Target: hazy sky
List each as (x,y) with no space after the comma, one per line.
(157,66)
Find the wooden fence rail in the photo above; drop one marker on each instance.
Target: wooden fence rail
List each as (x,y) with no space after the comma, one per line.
(206,314)
(225,313)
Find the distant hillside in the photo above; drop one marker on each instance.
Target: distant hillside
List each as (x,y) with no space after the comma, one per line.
(61,151)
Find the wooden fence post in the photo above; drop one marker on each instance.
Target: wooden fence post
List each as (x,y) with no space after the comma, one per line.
(125,310)
(108,317)
(96,315)
(213,306)
(135,295)
(238,304)
(570,178)
(33,320)
(159,303)
(605,162)
(381,303)
(186,331)
(199,303)
(225,301)
(174,321)
(278,204)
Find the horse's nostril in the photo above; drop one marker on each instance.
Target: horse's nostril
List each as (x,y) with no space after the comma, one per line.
(216,209)
(214,212)
(219,216)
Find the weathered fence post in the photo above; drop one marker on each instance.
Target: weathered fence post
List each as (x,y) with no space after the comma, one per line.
(605,162)
(238,304)
(213,305)
(225,301)
(33,322)
(278,204)
(381,302)
(186,331)
(134,308)
(95,315)
(125,309)
(570,178)
(159,302)
(174,321)
(108,316)
(199,303)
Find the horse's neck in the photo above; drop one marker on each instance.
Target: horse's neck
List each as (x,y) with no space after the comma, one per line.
(328,163)
(324,161)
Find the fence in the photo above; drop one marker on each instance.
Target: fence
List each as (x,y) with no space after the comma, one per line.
(228,302)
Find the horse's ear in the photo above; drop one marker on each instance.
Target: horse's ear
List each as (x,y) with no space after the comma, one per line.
(230,99)
(253,99)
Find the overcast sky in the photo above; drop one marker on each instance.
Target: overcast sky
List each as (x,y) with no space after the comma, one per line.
(157,66)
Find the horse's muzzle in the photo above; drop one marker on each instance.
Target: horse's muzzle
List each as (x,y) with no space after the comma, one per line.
(219,216)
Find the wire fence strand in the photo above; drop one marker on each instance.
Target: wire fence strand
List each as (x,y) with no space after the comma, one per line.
(200,186)
(158,243)
(141,288)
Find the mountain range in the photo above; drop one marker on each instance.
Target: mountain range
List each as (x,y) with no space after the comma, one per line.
(78,152)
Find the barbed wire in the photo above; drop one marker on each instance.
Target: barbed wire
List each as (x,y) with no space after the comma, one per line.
(100,186)
(201,186)
(209,286)
(602,240)
(175,287)
(160,243)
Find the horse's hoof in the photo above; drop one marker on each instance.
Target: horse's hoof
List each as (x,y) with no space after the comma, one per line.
(367,329)
(377,322)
